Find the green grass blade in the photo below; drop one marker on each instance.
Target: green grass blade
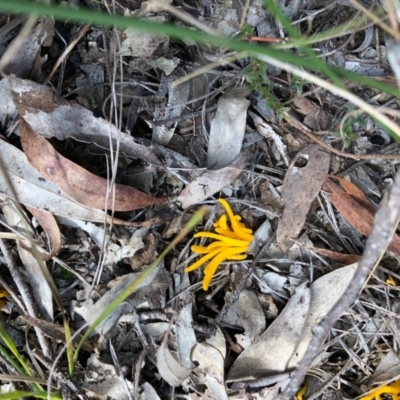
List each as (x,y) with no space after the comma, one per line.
(290,28)
(10,344)
(104,19)
(19,394)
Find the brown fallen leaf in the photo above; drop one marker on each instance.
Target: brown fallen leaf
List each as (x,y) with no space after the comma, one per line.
(355,192)
(354,213)
(78,183)
(343,258)
(300,187)
(50,226)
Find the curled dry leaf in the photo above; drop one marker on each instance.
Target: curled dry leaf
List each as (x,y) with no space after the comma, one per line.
(300,187)
(355,209)
(50,226)
(83,186)
(169,368)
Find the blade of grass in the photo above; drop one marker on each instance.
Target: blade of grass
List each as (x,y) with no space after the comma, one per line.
(374,112)
(196,218)
(10,344)
(19,394)
(287,24)
(104,19)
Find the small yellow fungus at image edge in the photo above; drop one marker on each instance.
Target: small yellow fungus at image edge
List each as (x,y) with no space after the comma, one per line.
(3,295)
(392,389)
(232,241)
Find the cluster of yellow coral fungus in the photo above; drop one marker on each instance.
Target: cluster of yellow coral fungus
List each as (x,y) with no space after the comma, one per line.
(392,389)
(232,240)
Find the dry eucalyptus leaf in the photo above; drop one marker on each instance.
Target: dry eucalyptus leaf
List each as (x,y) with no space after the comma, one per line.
(83,186)
(270,354)
(300,187)
(227,129)
(210,369)
(34,191)
(169,368)
(325,292)
(50,226)
(247,313)
(105,381)
(355,209)
(211,182)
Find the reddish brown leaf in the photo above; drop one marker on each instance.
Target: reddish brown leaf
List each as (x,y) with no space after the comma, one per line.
(354,213)
(343,258)
(355,192)
(50,226)
(78,183)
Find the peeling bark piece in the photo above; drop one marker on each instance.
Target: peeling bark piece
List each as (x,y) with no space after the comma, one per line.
(83,186)
(300,187)
(227,129)
(55,117)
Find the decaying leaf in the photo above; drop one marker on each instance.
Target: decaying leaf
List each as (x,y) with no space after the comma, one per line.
(55,117)
(300,187)
(270,354)
(248,314)
(34,191)
(210,369)
(325,292)
(210,182)
(227,129)
(283,344)
(356,211)
(105,381)
(169,368)
(343,258)
(80,184)
(50,226)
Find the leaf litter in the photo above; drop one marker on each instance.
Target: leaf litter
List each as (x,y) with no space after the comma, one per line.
(171,148)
